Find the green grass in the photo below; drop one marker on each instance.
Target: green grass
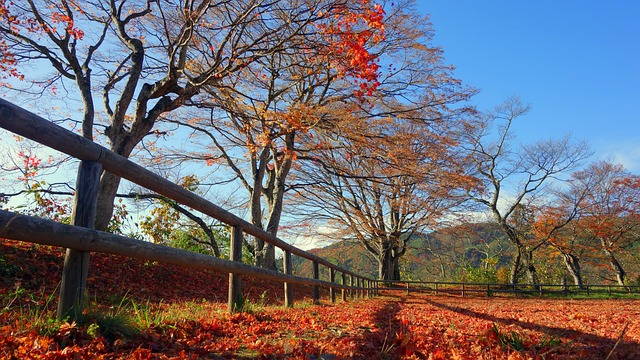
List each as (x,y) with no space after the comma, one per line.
(510,339)
(31,311)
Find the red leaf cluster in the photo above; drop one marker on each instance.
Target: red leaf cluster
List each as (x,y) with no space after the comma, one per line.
(351,34)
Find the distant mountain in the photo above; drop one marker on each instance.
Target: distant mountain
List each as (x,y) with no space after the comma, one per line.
(439,255)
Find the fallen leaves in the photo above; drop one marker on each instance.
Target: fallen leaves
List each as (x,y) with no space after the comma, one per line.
(387,327)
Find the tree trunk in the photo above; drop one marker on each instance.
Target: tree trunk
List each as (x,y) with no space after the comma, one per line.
(109,184)
(122,143)
(530,269)
(265,255)
(515,267)
(385,269)
(573,266)
(396,269)
(388,265)
(617,267)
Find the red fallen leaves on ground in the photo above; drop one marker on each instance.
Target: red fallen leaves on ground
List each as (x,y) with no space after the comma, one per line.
(391,326)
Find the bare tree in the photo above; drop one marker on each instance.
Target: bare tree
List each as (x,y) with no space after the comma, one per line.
(517,178)
(383,195)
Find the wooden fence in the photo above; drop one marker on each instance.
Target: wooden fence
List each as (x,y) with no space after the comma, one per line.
(493,289)
(80,239)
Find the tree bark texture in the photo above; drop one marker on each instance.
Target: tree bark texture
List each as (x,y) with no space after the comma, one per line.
(572,263)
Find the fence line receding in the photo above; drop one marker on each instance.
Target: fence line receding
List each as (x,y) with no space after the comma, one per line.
(80,239)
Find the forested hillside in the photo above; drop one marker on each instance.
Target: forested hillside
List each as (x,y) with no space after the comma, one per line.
(441,255)
(473,253)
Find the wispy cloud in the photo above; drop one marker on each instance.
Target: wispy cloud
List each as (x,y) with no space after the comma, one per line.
(625,153)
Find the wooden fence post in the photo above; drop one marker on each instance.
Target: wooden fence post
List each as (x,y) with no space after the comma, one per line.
(316,288)
(235,284)
(332,290)
(351,291)
(288,291)
(365,291)
(344,291)
(357,287)
(76,263)
(365,288)
(407,288)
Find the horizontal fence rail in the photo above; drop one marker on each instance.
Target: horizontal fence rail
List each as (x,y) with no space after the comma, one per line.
(84,240)
(492,289)
(46,232)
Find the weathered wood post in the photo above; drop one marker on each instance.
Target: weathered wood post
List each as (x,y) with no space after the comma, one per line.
(365,288)
(462,289)
(76,263)
(351,291)
(357,287)
(288,291)
(316,288)
(235,283)
(332,290)
(344,291)
(408,288)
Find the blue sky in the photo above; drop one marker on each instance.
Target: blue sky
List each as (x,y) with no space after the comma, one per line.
(576,62)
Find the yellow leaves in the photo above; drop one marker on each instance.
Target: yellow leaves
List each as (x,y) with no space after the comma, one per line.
(263,140)
(298,117)
(516,356)
(190,182)
(576,316)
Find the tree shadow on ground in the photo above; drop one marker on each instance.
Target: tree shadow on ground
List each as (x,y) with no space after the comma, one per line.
(630,349)
(381,341)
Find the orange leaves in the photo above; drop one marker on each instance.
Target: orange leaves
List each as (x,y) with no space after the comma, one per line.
(18,21)
(394,327)
(8,60)
(66,20)
(298,117)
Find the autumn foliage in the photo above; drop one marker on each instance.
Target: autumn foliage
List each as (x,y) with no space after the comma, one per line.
(332,106)
(391,326)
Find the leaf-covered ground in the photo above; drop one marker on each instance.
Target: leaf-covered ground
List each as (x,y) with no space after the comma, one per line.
(180,314)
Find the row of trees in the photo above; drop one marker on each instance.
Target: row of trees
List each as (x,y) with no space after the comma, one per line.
(342,112)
